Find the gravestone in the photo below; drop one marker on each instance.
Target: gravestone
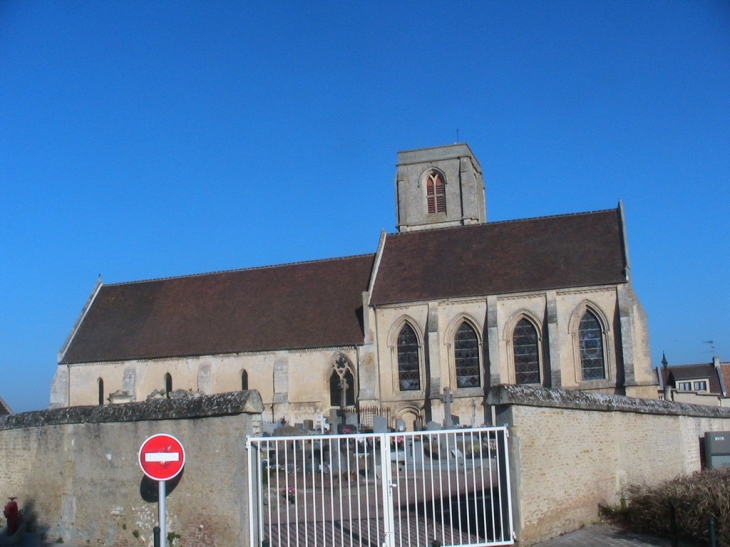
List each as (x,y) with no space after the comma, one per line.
(433,426)
(380,424)
(400,425)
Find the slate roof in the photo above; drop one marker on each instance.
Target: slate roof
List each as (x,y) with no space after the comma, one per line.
(576,250)
(679,373)
(294,306)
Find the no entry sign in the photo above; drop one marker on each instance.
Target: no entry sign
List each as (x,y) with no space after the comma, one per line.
(161,457)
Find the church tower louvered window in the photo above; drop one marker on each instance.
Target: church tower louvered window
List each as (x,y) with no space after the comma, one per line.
(436,192)
(466,356)
(409,378)
(526,353)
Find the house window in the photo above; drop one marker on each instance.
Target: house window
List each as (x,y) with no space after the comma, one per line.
(244,380)
(408,361)
(526,353)
(684,386)
(590,338)
(342,379)
(436,192)
(100,384)
(700,386)
(466,355)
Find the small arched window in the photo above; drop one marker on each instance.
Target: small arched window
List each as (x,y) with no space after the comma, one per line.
(590,338)
(409,378)
(168,385)
(526,353)
(100,384)
(466,356)
(244,380)
(436,192)
(341,380)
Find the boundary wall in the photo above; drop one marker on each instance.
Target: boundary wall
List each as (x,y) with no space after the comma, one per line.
(76,471)
(572,450)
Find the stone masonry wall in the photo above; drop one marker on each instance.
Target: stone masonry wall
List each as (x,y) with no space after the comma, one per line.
(570,451)
(76,470)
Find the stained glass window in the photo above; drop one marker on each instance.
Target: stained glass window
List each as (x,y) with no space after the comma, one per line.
(590,338)
(526,353)
(408,362)
(466,355)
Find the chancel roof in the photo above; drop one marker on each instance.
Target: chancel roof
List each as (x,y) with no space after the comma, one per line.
(502,257)
(293,306)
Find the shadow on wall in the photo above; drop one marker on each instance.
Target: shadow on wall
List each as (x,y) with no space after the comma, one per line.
(27,525)
(149,489)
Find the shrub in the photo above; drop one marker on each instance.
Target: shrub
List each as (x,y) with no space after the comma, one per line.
(695,497)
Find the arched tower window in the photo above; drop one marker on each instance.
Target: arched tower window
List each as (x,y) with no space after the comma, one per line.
(168,385)
(526,353)
(341,379)
(590,338)
(409,378)
(436,192)
(100,383)
(244,380)
(466,356)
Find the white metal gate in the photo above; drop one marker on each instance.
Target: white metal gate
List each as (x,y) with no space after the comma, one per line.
(426,488)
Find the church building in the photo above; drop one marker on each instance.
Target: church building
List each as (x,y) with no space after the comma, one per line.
(448,302)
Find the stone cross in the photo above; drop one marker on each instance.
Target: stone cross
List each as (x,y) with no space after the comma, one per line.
(447,399)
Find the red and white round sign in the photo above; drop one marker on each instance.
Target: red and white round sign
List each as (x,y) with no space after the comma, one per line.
(162,457)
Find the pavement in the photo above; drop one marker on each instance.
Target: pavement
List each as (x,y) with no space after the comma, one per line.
(598,535)
(605,535)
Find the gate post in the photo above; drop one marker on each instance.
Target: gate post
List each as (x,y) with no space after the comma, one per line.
(388,485)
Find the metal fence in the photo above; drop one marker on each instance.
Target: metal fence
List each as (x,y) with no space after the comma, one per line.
(426,488)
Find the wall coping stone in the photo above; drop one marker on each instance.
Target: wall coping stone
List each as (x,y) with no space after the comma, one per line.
(504,394)
(203,406)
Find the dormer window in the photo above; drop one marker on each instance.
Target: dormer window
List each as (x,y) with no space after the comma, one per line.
(435,192)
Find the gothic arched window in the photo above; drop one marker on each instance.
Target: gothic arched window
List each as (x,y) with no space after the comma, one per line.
(409,378)
(436,192)
(342,378)
(100,383)
(244,380)
(590,339)
(526,353)
(466,356)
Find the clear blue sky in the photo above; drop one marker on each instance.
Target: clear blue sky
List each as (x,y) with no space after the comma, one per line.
(143,139)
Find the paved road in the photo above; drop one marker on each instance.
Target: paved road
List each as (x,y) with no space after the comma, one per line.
(604,535)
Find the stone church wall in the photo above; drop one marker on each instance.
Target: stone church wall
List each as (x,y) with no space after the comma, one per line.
(76,470)
(571,450)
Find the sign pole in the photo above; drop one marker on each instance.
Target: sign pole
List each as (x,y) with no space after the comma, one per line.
(162,521)
(162,458)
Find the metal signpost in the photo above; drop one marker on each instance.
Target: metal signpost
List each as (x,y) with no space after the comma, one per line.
(162,458)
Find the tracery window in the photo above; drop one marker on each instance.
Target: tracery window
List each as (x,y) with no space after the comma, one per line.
(435,192)
(340,378)
(526,353)
(590,338)
(466,356)
(409,378)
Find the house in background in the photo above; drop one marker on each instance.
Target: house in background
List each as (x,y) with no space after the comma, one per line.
(449,302)
(701,384)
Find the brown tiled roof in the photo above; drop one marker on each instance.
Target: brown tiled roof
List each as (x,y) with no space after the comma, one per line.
(502,257)
(304,305)
(725,372)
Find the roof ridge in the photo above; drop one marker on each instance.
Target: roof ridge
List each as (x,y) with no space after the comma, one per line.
(239,269)
(505,221)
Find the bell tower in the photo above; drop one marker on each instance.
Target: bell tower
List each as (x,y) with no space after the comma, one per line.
(439,187)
